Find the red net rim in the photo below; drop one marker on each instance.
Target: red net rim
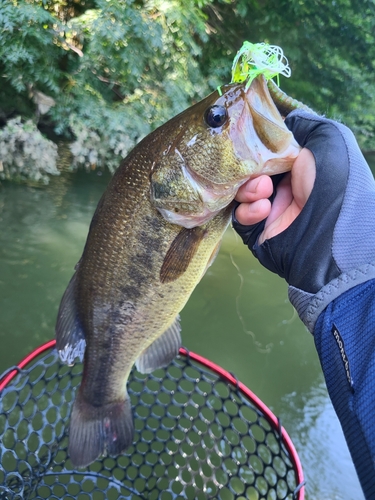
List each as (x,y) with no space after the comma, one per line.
(228,377)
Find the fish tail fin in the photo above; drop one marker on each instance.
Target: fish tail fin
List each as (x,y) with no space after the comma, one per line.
(95,431)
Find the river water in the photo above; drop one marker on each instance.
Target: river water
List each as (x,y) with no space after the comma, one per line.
(238,316)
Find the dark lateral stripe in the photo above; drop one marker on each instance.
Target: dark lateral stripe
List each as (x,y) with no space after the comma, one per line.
(344,357)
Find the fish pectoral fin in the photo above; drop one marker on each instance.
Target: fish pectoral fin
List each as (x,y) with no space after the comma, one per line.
(98,430)
(180,253)
(162,351)
(213,256)
(70,339)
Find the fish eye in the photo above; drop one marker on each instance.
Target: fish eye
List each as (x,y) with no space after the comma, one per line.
(215,116)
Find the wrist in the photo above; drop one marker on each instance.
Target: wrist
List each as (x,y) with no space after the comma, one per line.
(309,306)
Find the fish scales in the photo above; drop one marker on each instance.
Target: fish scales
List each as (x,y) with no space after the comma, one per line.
(155,231)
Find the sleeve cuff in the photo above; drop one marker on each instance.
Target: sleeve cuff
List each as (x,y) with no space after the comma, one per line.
(309,306)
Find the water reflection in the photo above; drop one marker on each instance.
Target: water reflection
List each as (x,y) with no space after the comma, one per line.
(318,438)
(239,317)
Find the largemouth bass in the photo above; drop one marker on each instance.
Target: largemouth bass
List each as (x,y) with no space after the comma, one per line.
(155,231)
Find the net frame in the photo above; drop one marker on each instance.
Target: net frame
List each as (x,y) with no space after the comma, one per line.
(285,441)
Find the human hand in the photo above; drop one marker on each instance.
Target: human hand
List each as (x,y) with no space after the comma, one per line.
(318,232)
(291,195)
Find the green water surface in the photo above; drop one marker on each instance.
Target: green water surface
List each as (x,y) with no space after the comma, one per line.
(239,317)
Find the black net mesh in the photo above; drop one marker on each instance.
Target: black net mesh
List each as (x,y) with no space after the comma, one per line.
(197,437)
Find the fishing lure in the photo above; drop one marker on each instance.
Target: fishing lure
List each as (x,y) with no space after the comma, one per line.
(254,59)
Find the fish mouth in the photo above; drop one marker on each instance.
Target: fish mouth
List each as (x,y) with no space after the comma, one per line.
(259,135)
(186,220)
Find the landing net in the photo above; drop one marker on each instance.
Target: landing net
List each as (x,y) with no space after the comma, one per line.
(199,434)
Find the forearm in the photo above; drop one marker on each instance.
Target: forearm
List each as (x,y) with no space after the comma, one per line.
(345,340)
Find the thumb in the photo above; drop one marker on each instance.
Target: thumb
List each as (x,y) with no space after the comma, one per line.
(291,195)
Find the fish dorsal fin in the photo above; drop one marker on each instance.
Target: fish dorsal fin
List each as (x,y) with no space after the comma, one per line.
(162,351)
(267,120)
(180,253)
(70,339)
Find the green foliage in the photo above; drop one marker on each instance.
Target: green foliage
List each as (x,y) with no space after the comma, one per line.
(25,155)
(91,149)
(116,69)
(330,47)
(144,55)
(30,50)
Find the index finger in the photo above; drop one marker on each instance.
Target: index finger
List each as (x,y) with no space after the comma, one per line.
(255,189)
